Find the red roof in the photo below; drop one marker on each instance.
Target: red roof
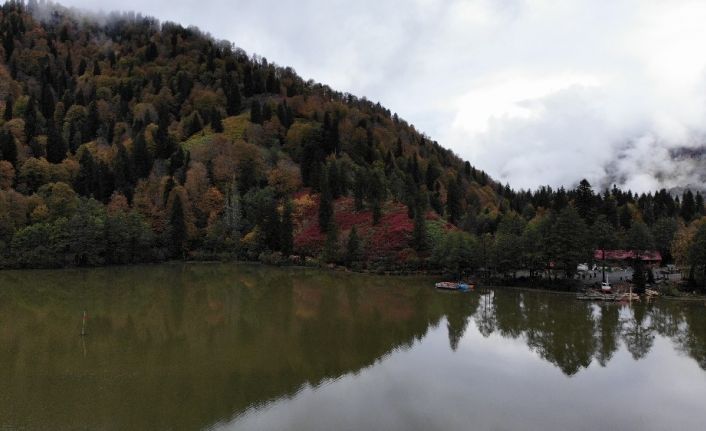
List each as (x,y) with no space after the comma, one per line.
(647,255)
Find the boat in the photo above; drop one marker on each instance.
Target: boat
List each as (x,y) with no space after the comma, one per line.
(606,287)
(453,285)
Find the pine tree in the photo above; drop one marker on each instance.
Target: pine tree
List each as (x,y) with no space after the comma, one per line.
(699,207)
(8,149)
(331,251)
(255,112)
(142,160)
(453,202)
(82,67)
(216,122)
(30,118)
(178,231)
(376,194)
(9,106)
(688,206)
(354,247)
(86,180)
(271,225)
(419,234)
(334,179)
(359,188)
(325,203)
(56,147)
(585,201)
(625,217)
(124,171)
(233,97)
(9,44)
(287,228)
(92,122)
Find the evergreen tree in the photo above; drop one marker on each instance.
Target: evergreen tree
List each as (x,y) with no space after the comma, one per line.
(354,248)
(287,229)
(569,242)
(216,123)
(194,125)
(359,188)
(331,251)
(124,171)
(142,160)
(8,149)
(233,97)
(325,203)
(9,44)
(56,147)
(625,217)
(419,234)
(30,118)
(92,122)
(334,179)
(699,205)
(255,112)
(164,146)
(688,206)
(585,201)
(376,194)
(9,106)
(453,202)
(639,240)
(266,112)
(86,180)
(178,230)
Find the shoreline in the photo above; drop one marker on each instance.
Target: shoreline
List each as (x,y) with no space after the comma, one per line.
(339,269)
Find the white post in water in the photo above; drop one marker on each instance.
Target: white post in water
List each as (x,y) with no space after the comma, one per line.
(83,324)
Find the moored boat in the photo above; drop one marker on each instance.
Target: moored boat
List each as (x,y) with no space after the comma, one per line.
(452,285)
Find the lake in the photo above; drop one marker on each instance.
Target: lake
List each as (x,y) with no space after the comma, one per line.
(250,347)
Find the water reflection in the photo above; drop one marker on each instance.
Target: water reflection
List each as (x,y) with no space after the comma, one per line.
(188,346)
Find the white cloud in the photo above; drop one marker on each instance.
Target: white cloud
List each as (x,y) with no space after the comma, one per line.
(533,91)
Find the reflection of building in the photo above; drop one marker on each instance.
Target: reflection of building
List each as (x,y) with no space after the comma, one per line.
(649,257)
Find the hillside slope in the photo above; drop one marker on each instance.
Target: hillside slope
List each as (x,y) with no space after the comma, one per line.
(125,140)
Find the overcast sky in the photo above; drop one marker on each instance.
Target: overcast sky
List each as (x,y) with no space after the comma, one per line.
(534,92)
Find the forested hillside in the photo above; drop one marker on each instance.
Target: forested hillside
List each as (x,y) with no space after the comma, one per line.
(125,140)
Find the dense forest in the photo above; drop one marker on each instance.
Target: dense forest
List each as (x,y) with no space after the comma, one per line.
(127,140)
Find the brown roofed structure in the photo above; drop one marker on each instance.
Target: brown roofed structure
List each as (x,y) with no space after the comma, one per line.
(652,256)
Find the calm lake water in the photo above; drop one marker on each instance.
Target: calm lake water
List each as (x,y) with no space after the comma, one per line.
(240,347)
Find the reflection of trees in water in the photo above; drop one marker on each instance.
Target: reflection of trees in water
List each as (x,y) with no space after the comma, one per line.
(485,317)
(561,331)
(638,333)
(607,332)
(197,343)
(691,336)
(508,310)
(221,338)
(458,311)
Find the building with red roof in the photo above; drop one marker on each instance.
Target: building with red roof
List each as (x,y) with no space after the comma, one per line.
(650,257)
